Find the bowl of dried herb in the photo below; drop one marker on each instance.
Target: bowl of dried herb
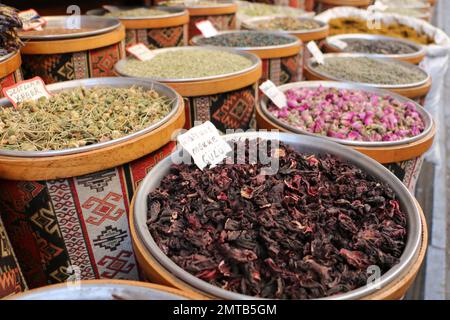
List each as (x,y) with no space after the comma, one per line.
(274,49)
(315,228)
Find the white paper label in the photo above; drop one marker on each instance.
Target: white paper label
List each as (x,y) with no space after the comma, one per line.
(205,145)
(338,43)
(32,89)
(141,52)
(31,20)
(315,51)
(206,28)
(273,93)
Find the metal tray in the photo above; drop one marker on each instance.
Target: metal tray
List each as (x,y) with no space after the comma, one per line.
(186,4)
(294,41)
(7,56)
(171,12)
(250,25)
(300,143)
(98,25)
(342,85)
(253,58)
(420,50)
(377,85)
(116,82)
(98,290)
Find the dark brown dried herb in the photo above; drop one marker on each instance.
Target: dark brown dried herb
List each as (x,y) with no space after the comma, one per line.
(309,231)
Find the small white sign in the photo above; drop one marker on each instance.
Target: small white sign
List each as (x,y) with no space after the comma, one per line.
(31,20)
(205,145)
(32,89)
(141,51)
(274,94)
(206,28)
(315,51)
(337,43)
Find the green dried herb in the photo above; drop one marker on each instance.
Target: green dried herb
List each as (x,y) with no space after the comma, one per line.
(378,46)
(182,64)
(372,71)
(136,12)
(80,117)
(288,24)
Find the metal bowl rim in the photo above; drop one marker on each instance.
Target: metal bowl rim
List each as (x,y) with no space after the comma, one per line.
(252,57)
(113,24)
(7,56)
(177,11)
(308,65)
(414,226)
(101,82)
(249,24)
(295,40)
(426,116)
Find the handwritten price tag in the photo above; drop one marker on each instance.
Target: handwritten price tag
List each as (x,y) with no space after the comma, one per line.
(141,52)
(31,20)
(32,89)
(274,94)
(315,51)
(206,28)
(205,145)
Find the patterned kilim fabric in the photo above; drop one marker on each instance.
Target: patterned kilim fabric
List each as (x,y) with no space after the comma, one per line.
(76,224)
(158,38)
(221,22)
(10,79)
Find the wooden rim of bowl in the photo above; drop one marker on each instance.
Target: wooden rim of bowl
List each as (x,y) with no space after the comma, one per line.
(219,85)
(320,34)
(184,294)
(228,8)
(384,155)
(354,3)
(412,92)
(78,164)
(74,45)
(155,22)
(10,65)
(394,290)
(416,59)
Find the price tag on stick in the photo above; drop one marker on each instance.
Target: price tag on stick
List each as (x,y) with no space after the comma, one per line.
(205,145)
(206,28)
(31,20)
(32,89)
(315,51)
(274,94)
(141,52)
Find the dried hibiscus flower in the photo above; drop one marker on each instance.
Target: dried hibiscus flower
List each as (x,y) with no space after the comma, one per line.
(309,231)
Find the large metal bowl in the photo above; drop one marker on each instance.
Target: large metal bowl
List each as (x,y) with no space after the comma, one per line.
(301,143)
(100,82)
(101,290)
(309,66)
(342,85)
(171,12)
(294,41)
(119,67)
(419,49)
(251,24)
(97,25)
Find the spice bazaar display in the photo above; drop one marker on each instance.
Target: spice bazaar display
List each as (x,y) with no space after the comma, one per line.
(281,55)
(58,53)
(218,84)
(104,135)
(376,45)
(401,77)
(105,290)
(158,27)
(389,128)
(221,13)
(242,234)
(306,29)
(10,43)
(11,277)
